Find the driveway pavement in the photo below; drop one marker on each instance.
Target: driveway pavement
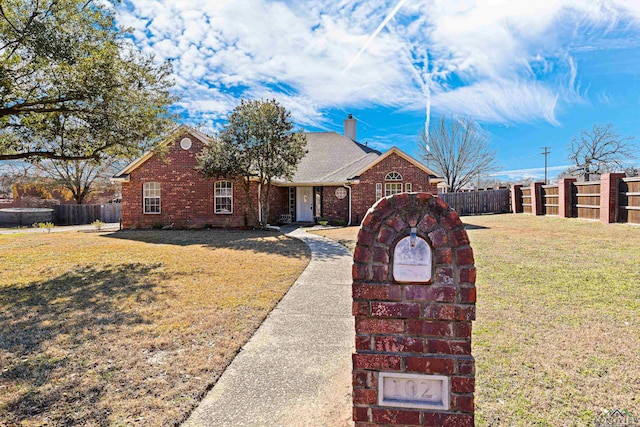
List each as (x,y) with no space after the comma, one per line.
(296,369)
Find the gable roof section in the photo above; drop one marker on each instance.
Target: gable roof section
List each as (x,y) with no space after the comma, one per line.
(433,177)
(332,158)
(123,175)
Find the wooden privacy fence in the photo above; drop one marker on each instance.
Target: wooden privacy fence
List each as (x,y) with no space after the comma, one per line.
(526,200)
(550,199)
(629,200)
(478,202)
(86,214)
(615,198)
(587,199)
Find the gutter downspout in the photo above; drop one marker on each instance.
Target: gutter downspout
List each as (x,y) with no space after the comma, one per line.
(349,189)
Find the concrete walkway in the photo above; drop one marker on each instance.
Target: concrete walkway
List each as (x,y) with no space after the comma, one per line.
(296,369)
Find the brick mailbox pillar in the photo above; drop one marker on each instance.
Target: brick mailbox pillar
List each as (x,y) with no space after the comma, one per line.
(413,301)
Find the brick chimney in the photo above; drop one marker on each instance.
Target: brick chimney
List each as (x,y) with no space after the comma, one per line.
(350,127)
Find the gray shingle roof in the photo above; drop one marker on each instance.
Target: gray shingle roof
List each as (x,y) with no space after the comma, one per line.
(332,158)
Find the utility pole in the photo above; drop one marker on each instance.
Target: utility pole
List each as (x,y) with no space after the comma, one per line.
(545,152)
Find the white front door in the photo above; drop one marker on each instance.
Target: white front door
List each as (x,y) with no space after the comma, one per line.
(304,204)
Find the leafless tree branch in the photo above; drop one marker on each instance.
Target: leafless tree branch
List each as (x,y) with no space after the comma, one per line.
(457,149)
(600,150)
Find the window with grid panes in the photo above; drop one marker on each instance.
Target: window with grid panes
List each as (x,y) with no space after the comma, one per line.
(223,197)
(151,198)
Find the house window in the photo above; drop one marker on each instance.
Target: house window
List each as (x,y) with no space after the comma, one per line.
(223,197)
(391,188)
(393,176)
(151,197)
(407,187)
(378,191)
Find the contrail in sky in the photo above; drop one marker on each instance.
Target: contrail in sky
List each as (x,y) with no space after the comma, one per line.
(423,79)
(375,33)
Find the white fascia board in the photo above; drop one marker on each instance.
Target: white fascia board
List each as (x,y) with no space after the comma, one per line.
(119,178)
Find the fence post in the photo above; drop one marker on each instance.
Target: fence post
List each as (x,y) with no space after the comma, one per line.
(565,197)
(413,301)
(516,198)
(609,197)
(537,204)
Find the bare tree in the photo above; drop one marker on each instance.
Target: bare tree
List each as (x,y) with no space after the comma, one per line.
(12,172)
(457,149)
(78,176)
(599,150)
(632,171)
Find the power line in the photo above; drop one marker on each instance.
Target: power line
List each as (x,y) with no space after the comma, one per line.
(545,152)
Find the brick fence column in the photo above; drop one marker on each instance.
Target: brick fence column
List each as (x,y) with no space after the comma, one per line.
(565,199)
(609,197)
(516,198)
(537,203)
(413,301)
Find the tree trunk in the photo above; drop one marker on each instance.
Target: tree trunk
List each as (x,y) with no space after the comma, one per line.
(265,204)
(248,213)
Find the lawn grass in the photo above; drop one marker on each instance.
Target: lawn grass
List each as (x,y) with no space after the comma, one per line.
(133,327)
(557,335)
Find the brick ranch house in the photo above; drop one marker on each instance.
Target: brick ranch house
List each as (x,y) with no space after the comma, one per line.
(338,179)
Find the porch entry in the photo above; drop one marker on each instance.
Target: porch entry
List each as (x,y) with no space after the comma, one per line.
(304,204)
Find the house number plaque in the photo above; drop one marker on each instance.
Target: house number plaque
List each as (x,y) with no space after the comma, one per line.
(413,391)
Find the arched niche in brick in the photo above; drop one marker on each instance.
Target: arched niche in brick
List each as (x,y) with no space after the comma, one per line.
(413,328)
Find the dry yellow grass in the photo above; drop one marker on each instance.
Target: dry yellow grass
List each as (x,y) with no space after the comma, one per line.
(130,328)
(557,335)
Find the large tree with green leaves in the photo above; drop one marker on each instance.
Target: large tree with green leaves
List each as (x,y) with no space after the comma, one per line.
(73,87)
(458,150)
(258,143)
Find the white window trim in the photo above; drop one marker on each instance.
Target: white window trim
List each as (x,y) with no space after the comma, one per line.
(408,187)
(215,198)
(393,176)
(388,184)
(145,197)
(378,190)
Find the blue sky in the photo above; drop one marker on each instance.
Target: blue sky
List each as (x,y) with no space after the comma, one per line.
(532,73)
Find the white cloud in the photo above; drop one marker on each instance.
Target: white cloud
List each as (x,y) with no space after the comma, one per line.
(496,60)
(500,102)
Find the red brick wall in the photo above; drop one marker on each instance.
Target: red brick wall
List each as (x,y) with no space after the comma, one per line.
(186,195)
(565,206)
(278,203)
(364,194)
(413,328)
(609,196)
(332,207)
(516,198)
